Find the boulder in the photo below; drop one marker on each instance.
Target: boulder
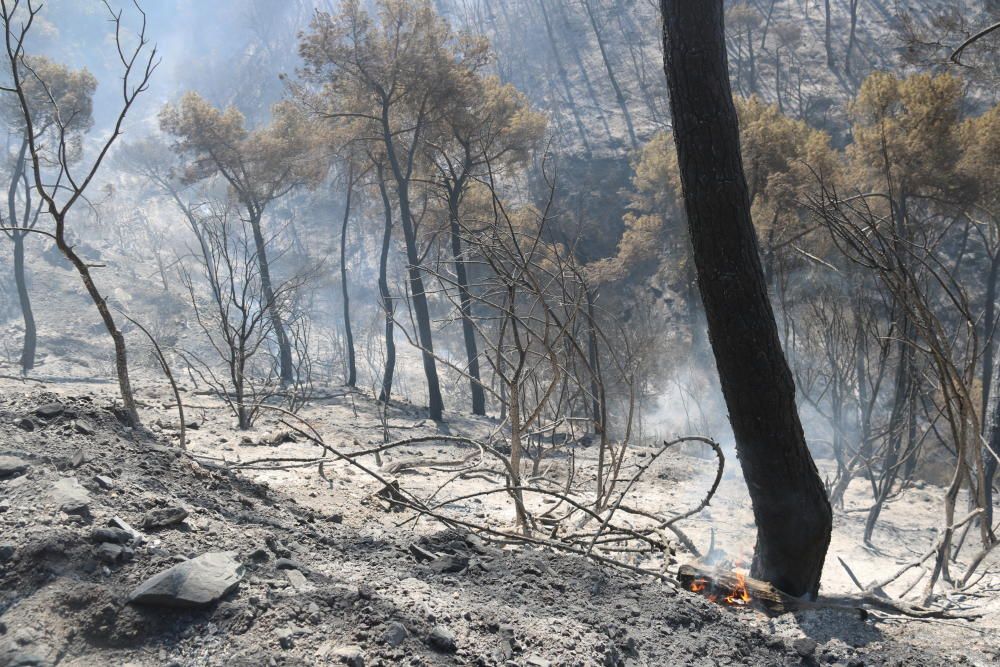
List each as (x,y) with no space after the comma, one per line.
(163,517)
(11,466)
(50,410)
(193,583)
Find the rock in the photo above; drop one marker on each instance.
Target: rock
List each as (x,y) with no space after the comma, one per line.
(25,424)
(297,580)
(285,638)
(449,564)
(395,634)
(78,459)
(104,482)
(260,555)
(11,466)
(163,517)
(193,425)
(508,645)
(50,410)
(288,564)
(68,491)
(113,535)
(114,553)
(351,655)
(193,583)
(83,427)
(4,505)
(804,646)
(7,550)
(442,639)
(118,522)
(536,661)
(74,508)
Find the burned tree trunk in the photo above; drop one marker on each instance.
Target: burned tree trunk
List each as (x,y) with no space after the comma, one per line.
(383,287)
(285,363)
(465,303)
(352,367)
(790,506)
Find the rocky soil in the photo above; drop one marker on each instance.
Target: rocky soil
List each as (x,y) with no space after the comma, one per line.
(93,514)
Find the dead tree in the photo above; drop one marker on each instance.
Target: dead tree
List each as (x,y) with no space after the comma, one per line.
(56,184)
(236,320)
(790,506)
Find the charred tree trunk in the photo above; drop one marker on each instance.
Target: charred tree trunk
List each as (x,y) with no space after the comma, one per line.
(383,288)
(286,367)
(352,367)
(564,78)
(18,236)
(828,33)
(30,333)
(131,412)
(465,303)
(852,36)
(435,403)
(619,96)
(790,506)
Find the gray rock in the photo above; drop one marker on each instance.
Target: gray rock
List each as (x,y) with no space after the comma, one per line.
(4,505)
(395,634)
(193,583)
(83,427)
(449,564)
(297,580)
(11,466)
(804,646)
(104,482)
(7,550)
(288,564)
(68,491)
(113,535)
(50,410)
(163,517)
(25,424)
(442,639)
(352,656)
(114,553)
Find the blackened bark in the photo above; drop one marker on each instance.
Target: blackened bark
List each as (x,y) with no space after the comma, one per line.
(828,33)
(20,279)
(465,303)
(383,288)
(790,505)
(352,367)
(18,235)
(435,403)
(286,367)
(619,96)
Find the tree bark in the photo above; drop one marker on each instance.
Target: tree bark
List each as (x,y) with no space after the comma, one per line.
(383,288)
(30,334)
(619,96)
(465,303)
(790,505)
(352,367)
(286,367)
(435,404)
(18,237)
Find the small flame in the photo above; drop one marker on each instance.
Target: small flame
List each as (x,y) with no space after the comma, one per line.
(738,595)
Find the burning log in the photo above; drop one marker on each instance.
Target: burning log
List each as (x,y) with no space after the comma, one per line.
(734,588)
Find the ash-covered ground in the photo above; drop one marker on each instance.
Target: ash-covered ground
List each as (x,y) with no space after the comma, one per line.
(312,570)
